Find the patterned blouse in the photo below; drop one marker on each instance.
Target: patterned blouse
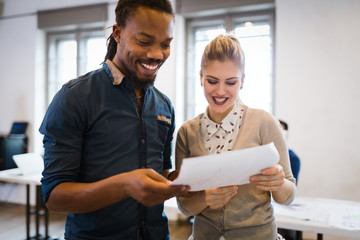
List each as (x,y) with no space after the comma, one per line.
(220,137)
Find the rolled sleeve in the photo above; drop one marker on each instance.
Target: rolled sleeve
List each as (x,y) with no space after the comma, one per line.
(62,130)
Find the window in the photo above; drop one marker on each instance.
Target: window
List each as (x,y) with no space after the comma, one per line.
(255,32)
(71,54)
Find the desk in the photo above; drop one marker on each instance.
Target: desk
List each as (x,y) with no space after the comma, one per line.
(312,215)
(12,176)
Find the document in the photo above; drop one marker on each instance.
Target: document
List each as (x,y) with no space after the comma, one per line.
(225,169)
(345,217)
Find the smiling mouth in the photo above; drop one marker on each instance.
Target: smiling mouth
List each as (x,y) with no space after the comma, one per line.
(151,67)
(220,100)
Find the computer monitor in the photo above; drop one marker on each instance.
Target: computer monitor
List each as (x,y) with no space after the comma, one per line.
(18,128)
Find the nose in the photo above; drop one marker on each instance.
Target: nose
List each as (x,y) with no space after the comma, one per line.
(221,89)
(155,53)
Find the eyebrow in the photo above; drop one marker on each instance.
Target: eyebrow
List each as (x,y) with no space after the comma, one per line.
(151,36)
(230,78)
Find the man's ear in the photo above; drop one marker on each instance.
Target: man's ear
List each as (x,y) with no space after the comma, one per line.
(116,32)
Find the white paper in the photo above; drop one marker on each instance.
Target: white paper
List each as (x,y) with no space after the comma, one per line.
(314,211)
(345,217)
(337,213)
(225,169)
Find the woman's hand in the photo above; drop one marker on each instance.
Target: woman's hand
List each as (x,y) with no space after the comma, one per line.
(270,179)
(218,197)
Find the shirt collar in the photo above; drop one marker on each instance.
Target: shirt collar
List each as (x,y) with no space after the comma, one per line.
(210,126)
(228,123)
(117,74)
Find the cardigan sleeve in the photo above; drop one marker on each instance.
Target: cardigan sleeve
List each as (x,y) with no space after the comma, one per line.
(270,131)
(181,149)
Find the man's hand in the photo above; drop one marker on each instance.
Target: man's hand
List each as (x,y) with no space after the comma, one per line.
(172,176)
(149,188)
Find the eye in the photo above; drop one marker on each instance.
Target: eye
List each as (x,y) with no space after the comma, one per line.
(165,46)
(211,81)
(231,83)
(141,42)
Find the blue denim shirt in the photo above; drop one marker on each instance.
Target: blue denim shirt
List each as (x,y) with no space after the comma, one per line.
(93,130)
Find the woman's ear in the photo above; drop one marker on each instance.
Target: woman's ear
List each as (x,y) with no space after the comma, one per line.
(242,81)
(116,32)
(201,81)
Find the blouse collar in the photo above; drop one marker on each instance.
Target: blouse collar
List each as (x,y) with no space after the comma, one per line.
(228,123)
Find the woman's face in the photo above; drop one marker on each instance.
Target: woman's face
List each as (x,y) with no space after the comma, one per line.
(222,82)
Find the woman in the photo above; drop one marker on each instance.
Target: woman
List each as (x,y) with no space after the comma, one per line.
(232,212)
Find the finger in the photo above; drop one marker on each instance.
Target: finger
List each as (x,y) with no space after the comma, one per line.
(187,194)
(219,197)
(160,187)
(270,185)
(155,176)
(271,182)
(209,197)
(222,190)
(264,178)
(158,195)
(268,188)
(173,175)
(273,170)
(220,202)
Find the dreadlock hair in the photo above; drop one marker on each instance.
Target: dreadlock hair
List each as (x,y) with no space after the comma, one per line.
(125,9)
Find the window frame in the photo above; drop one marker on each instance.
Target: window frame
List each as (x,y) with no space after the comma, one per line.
(228,20)
(80,36)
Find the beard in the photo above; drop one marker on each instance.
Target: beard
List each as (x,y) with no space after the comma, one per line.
(141,83)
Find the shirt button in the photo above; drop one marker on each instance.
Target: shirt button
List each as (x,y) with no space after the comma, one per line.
(143,141)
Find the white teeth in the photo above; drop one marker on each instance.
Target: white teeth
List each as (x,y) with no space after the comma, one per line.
(150,67)
(220,100)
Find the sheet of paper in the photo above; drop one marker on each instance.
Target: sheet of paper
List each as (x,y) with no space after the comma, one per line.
(345,217)
(229,168)
(314,211)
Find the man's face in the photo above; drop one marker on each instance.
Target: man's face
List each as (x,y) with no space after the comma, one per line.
(143,44)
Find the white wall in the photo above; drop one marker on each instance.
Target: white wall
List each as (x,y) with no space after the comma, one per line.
(318,92)
(317,83)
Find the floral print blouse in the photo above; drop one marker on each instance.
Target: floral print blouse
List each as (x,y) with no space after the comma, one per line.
(220,137)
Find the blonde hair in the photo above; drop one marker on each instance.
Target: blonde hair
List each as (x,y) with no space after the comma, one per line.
(223,47)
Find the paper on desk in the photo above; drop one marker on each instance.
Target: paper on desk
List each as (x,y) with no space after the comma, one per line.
(345,217)
(314,211)
(229,168)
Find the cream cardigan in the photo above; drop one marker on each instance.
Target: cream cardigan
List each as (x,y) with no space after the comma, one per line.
(249,214)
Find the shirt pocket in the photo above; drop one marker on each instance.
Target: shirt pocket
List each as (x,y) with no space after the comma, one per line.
(163,124)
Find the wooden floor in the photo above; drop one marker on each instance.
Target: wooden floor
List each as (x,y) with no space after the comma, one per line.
(12,226)
(13,222)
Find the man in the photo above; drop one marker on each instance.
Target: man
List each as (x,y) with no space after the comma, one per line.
(294,159)
(295,168)
(108,135)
